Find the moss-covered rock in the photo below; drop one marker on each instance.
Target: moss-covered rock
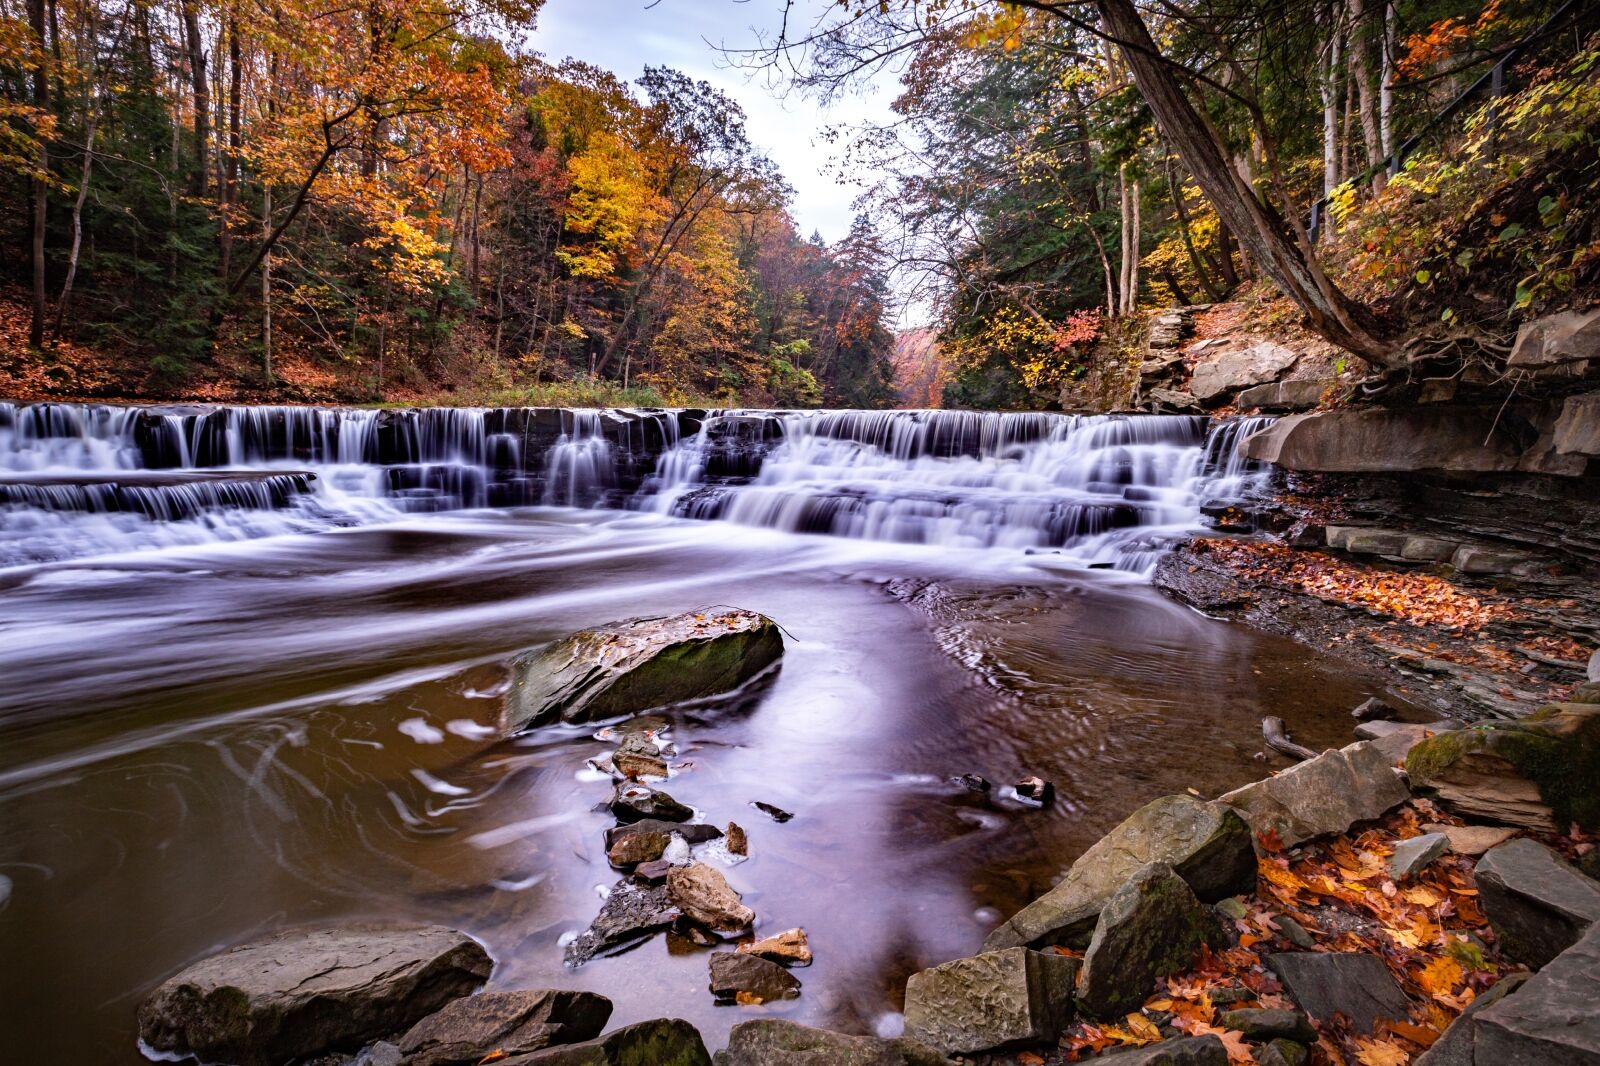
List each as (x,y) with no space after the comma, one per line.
(1150,927)
(1539,771)
(636,665)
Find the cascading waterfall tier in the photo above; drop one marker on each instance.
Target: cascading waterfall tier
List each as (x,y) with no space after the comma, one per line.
(1112,490)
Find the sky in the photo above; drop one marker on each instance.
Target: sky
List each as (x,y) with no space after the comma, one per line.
(625,36)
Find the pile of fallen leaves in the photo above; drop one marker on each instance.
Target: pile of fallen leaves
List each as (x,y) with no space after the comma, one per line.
(1428,930)
(1418,599)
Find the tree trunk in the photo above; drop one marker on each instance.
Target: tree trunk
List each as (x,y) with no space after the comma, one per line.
(1386,81)
(266,283)
(1123,229)
(1261,231)
(1330,105)
(91,125)
(1361,38)
(41,188)
(201,84)
(230,165)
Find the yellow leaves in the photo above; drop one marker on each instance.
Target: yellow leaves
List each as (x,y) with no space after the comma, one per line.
(1143,1028)
(1441,976)
(1372,1051)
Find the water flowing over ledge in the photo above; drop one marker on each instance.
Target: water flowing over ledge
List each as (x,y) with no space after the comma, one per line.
(1104,490)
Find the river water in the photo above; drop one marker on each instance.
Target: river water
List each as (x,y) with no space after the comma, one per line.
(252,699)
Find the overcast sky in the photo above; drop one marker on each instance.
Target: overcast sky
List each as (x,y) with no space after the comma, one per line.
(625,36)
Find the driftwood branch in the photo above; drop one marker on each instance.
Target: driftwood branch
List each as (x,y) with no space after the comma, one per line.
(1278,739)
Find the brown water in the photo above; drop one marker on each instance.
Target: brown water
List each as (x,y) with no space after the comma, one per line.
(200,745)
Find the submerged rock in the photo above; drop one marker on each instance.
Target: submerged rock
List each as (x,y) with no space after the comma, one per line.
(775,1042)
(631,911)
(663,1042)
(1358,986)
(305,992)
(704,896)
(1149,928)
(994,1000)
(748,979)
(693,833)
(1538,772)
(632,849)
(1538,904)
(513,1022)
(1207,844)
(635,803)
(777,814)
(1327,794)
(639,664)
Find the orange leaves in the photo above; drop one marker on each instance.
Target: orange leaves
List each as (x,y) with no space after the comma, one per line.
(1441,976)
(1418,599)
(1374,1051)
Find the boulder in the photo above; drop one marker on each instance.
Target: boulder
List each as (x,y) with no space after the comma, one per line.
(309,991)
(635,803)
(748,979)
(703,895)
(1396,739)
(464,1031)
(1551,1020)
(1393,440)
(775,1042)
(1538,904)
(1206,843)
(1455,1047)
(1358,986)
(1176,399)
(1184,1051)
(789,947)
(1260,1024)
(1553,340)
(633,848)
(1472,840)
(1538,772)
(1298,395)
(663,1042)
(1324,795)
(1476,559)
(1239,368)
(639,664)
(1149,928)
(630,912)
(1413,855)
(1577,429)
(994,1000)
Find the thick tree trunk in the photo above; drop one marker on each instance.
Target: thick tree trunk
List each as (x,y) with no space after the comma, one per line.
(1330,105)
(201,84)
(1261,231)
(230,164)
(41,188)
(1361,40)
(1386,81)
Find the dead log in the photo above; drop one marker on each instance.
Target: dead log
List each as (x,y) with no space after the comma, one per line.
(1278,740)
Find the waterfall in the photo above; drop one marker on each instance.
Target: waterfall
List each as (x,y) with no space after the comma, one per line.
(1108,490)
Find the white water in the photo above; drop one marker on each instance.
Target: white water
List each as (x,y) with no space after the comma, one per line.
(1101,490)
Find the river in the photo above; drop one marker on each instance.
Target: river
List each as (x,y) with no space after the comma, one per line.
(237,697)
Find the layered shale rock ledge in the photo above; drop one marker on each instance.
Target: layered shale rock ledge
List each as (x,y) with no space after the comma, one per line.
(640,664)
(306,992)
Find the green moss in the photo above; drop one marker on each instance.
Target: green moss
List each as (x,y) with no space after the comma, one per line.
(1430,756)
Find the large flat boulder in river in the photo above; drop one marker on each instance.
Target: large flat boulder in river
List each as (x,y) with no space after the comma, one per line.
(309,991)
(642,663)
(1206,843)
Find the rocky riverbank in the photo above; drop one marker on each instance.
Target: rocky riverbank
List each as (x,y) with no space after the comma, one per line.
(1344,909)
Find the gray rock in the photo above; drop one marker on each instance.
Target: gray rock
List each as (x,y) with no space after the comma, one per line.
(1594,666)
(1551,1020)
(463,1032)
(704,896)
(1298,395)
(695,833)
(1358,986)
(1324,795)
(1149,928)
(734,974)
(639,664)
(1473,559)
(1239,368)
(1374,709)
(1455,1047)
(1413,855)
(382,1053)
(637,756)
(1186,1051)
(775,1042)
(663,1042)
(1261,1024)
(1166,331)
(1447,438)
(635,803)
(1294,932)
(1565,337)
(1207,844)
(1537,903)
(1176,399)
(1375,542)
(1396,739)
(630,912)
(1472,840)
(1281,1052)
(309,991)
(1428,549)
(993,1000)
(1577,432)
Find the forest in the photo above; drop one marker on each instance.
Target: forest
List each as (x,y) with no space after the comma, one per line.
(400,199)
